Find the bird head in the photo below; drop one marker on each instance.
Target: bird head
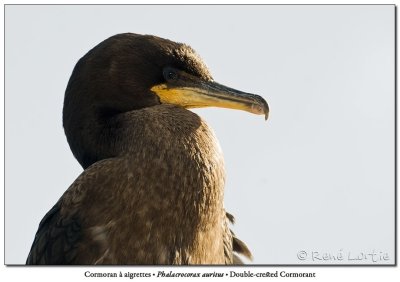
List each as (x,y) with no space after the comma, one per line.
(129,71)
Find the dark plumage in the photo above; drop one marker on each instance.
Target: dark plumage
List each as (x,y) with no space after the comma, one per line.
(152,188)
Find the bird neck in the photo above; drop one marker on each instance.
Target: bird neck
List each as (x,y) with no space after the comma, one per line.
(178,153)
(171,144)
(175,166)
(91,137)
(173,173)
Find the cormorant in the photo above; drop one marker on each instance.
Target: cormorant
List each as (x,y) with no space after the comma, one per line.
(153,182)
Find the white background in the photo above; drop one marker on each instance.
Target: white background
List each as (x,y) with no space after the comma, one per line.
(317,176)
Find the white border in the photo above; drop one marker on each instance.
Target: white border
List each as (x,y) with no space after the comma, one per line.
(9,274)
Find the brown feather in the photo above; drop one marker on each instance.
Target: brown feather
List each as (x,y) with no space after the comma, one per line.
(152,189)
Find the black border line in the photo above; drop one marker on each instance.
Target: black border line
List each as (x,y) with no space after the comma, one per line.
(395,135)
(194,4)
(4,128)
(212,265)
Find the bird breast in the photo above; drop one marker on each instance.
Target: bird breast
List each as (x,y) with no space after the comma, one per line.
(178,153)
(171,181)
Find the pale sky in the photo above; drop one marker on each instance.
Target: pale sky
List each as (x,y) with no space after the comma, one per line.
(316,178)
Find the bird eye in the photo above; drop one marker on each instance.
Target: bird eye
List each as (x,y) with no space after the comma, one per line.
(170,74)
